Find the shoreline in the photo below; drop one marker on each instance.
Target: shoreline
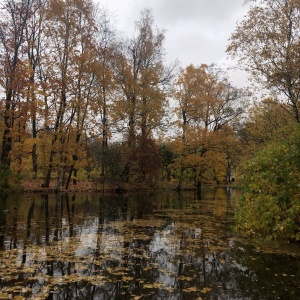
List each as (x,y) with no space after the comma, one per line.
(35,186)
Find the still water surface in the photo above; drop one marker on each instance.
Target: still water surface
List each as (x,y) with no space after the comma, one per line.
(154,246)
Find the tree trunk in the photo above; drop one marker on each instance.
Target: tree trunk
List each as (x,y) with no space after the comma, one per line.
(6,138)
(69,176)
(73,169)
(34,136)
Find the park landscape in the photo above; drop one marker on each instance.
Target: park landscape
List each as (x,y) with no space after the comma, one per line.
(126,176)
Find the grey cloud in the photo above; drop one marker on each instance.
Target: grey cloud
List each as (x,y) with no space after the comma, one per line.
(197,31)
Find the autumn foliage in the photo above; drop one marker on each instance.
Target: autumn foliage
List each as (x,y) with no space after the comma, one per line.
(266,44)
(80,102)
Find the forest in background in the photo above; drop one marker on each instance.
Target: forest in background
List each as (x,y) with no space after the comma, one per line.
(81,102)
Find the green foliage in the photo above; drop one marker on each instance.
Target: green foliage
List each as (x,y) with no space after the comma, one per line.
(270,206)
(167,155)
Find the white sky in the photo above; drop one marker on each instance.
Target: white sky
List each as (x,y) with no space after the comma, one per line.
(197,31)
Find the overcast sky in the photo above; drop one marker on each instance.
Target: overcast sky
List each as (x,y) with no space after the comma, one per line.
(197,31)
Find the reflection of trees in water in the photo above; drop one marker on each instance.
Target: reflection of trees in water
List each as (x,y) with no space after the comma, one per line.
(111,247)
(3,213)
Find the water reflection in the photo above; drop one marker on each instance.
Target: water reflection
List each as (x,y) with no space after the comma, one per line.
(156,246)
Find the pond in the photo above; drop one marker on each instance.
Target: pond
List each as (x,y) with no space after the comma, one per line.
(151,246)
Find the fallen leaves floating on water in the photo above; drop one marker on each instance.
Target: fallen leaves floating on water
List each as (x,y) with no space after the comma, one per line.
(205,290)
(155,285)
(191,289)
(165,252)
(185,278)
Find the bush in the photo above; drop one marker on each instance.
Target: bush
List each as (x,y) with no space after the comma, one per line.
(270,206)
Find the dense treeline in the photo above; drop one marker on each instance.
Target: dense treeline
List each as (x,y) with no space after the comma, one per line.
(82,102)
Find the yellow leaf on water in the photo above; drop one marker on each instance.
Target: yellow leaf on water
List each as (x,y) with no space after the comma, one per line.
(127,278)
(205,290)
(169,289)
(191,289)
(185,278)
(153,285)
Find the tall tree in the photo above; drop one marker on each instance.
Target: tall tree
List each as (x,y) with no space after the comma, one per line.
(70,28)
(143,78)
(267,44)
(207,105)
(14,18)
(105,86)
(34,35)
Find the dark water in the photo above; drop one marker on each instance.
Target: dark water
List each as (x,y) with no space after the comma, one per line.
(155,246)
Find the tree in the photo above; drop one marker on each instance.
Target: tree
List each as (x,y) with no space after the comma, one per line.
(14,80)
(266,121)
(267,44)
(69,31)
(105,85)
(143,79)
(34,35)
(189,110)
(207,105)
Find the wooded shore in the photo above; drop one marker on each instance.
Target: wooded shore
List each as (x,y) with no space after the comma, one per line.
(94,186)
